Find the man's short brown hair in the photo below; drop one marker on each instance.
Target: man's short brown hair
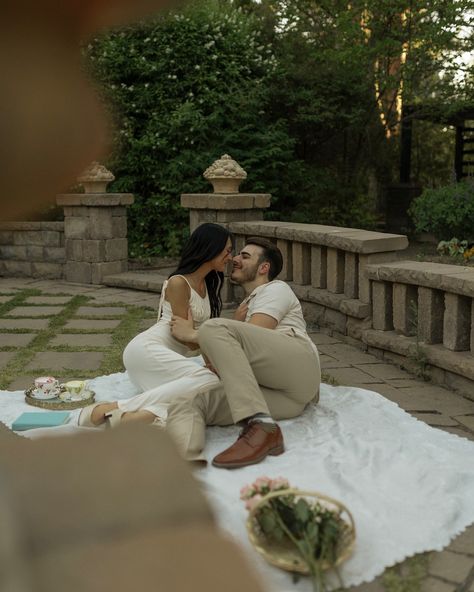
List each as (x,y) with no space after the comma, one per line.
(271,253)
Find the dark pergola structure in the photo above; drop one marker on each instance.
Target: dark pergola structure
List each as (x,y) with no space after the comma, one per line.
(464,138)
(399,196)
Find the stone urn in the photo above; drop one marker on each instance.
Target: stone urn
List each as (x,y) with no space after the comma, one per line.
(225,174)
(95,178)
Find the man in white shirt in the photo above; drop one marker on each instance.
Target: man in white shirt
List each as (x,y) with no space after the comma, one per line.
(268,365)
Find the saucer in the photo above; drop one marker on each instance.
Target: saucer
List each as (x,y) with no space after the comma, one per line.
(85,394)
(37,394)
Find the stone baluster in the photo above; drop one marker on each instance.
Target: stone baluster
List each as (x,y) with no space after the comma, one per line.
(335,270)
(364,281)
(319,267)
(351,275)
(301,263)
(286,248)
(95,228)
(430,315)
(457,316)
(405,304)
(382,307)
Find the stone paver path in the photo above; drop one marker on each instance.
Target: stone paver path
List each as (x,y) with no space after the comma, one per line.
(83,337)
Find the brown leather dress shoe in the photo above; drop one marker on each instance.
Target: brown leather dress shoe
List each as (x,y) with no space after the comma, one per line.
(255,442)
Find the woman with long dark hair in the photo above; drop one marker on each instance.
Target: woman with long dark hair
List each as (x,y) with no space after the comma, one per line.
(157,363)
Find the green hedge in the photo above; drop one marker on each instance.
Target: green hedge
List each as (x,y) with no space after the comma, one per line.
(446,212)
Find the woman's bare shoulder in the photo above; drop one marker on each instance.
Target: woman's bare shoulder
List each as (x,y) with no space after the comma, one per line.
(178,284)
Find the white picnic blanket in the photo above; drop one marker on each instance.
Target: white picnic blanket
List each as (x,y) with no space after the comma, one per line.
(410,487)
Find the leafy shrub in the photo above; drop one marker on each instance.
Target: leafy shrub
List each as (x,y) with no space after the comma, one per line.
(446,212)
(185,89)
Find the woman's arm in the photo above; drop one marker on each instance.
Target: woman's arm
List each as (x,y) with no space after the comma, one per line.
(178,294)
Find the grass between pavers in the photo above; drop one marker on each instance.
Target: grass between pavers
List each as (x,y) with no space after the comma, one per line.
(112,361)
(408,575)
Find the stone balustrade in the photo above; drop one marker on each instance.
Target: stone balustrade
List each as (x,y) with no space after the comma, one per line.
(425,312)
(32,249)
(327,267)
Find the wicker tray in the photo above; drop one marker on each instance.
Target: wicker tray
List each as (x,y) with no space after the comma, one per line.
(286,556)
(57,403)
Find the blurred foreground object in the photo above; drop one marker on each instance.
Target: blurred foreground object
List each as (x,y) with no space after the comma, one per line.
(51,123)
(109,511)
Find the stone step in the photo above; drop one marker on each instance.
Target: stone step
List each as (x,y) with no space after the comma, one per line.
(150,281)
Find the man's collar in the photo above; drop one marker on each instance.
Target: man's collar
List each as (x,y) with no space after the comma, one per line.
(255,291)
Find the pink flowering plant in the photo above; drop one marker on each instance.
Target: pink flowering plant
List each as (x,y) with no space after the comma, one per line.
(288,520)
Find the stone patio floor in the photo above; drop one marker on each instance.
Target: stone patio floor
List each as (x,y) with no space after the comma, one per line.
(93,326)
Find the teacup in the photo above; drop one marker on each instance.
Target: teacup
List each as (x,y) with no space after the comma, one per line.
(46,387)
(74,389)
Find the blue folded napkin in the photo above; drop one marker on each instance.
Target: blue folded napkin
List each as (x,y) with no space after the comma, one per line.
(41,419)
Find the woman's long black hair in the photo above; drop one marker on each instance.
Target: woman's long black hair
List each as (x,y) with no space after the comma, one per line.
(205,243)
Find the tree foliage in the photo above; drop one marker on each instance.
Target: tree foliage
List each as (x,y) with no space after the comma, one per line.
(306,94)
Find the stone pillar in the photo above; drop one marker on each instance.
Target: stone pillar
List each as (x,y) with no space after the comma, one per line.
(457,317)
(301,263)
(226,204)
(351,275)
(382,306)
(405,306)
(286,249)
(95,229)
(430,315)
(335,270)
(319,266)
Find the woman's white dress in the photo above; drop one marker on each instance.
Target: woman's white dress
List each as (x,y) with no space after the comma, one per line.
(158,365)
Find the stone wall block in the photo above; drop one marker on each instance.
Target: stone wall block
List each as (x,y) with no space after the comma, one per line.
(198,217)
(382,306)
(239,243)
(100,270)
(405,306)
(335,271)
(355,328)
(76,227)
(79,272)
(74,250)
(223,216)
(430,315)
(351,275)
(101,226)
(93,251)
(118,211)
(6,237)
(35,253)
(457,322)
(55,254)
(50,238)
(251,215)
(301,254)
(335,320)
(32,237)
(81,211)
(286,248)
(49,271)
(116,249)
(119,226)
(319,266)
(15,252)
(17,268)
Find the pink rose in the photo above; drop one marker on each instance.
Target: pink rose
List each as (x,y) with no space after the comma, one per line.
(262,482)
(253,501)
(247,492)
(279,483)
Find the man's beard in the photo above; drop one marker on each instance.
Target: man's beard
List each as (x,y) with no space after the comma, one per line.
(246,276)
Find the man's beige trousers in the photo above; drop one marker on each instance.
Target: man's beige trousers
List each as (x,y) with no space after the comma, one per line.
(261,371)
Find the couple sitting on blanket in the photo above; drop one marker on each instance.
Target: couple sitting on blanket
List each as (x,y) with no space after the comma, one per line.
(259,367)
